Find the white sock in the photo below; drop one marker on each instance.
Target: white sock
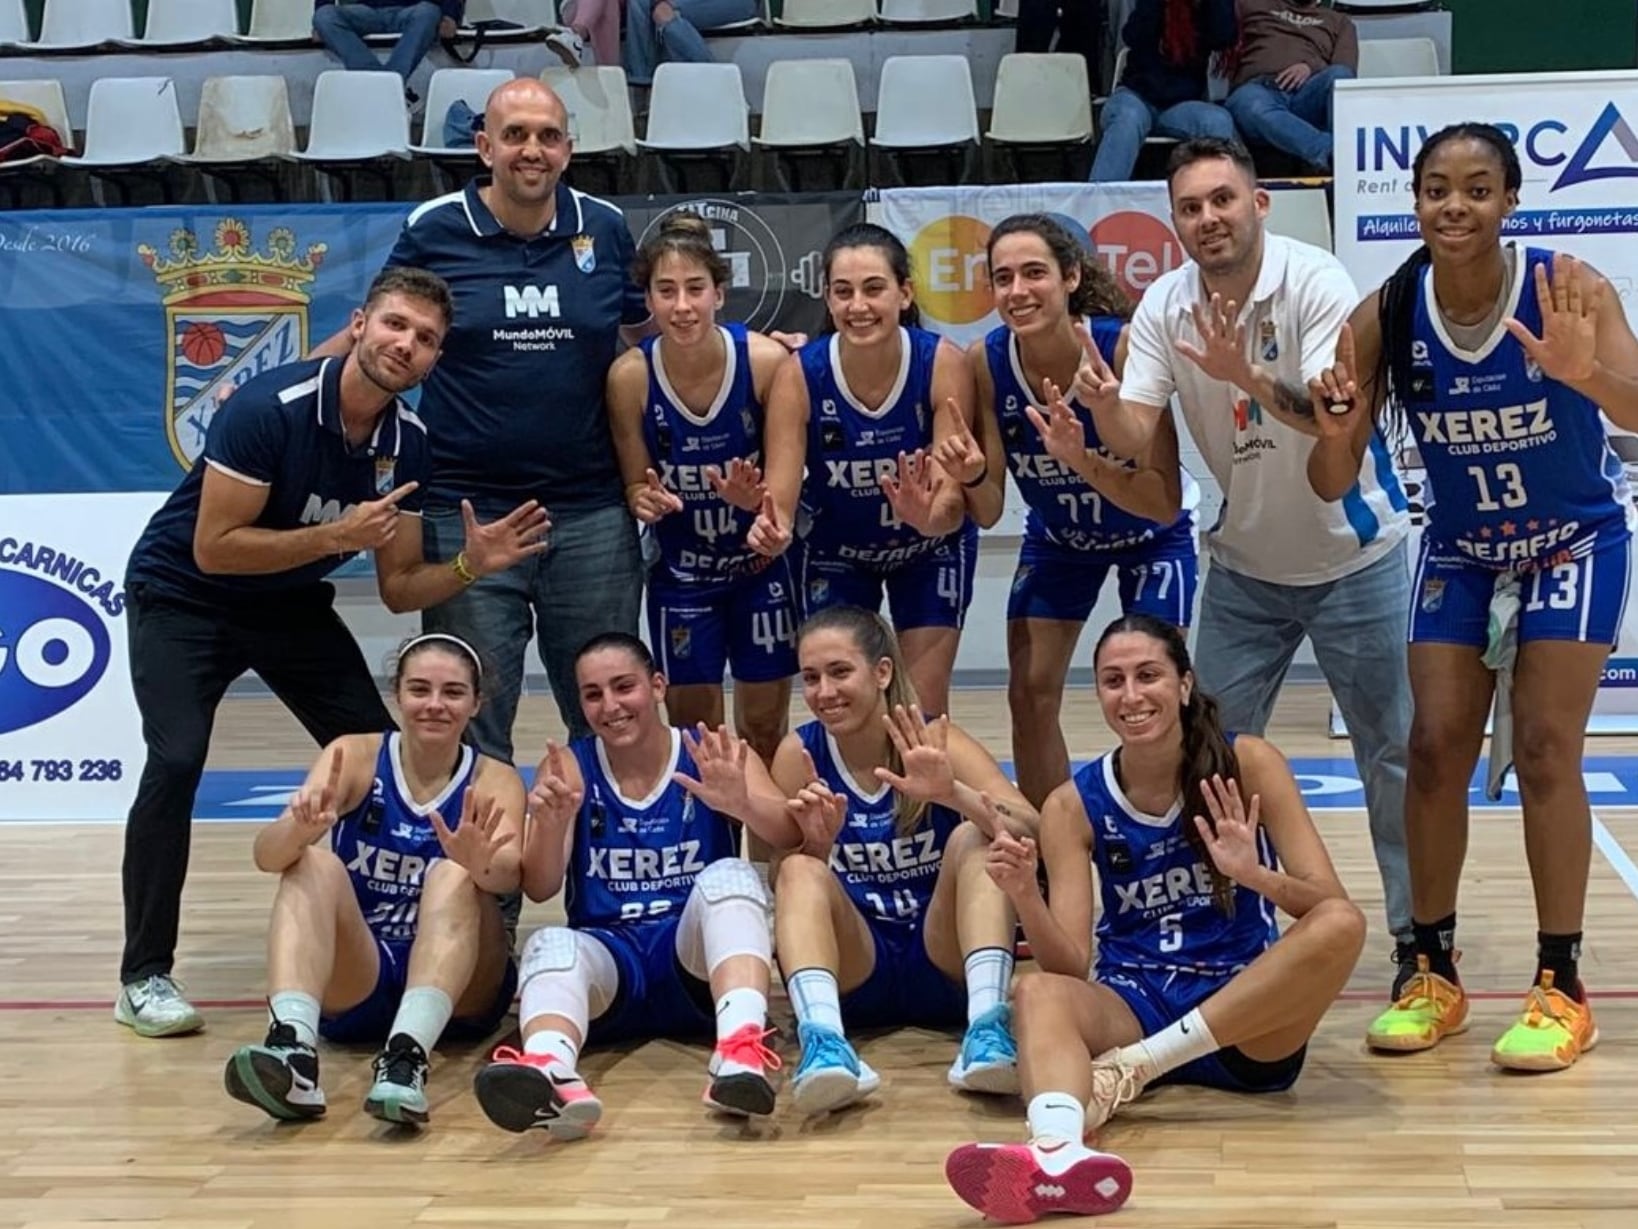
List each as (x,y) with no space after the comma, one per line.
(1056,1116)
(735,1010)
(549,1041)
(300,1011)
(422,1013)
(1178,1043)
(815,998)
(989,973)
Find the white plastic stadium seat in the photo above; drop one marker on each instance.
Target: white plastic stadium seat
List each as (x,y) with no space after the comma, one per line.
(279,21)
(449,85)
(357,116)
(83,23)
(1398,57)
(243,119)
(599,105)
(810,102)
(1041,98)
(1301,213)
(697,107)
(47,96)
(187,23)
(924,101)
(13,22)
(826,14)
(923,12)
(130,121)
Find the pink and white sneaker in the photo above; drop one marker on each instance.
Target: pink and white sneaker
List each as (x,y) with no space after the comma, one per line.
(520,1091)
(1019,1183)
(739,1072)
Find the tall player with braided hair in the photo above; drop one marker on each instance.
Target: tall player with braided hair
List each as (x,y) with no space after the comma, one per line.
(1196,836)
(1497,359)
(686,412)
(1090,513)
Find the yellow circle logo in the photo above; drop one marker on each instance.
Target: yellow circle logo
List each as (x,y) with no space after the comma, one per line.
(951,276)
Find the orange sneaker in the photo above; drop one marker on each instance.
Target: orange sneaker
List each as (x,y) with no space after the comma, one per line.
(1550,1034)
(1428,1010)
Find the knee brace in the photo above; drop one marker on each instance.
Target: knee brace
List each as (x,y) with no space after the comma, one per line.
(551,949)
(726,915)
(731,879)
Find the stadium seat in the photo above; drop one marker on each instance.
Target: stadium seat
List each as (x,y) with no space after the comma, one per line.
(13,22)
(360,124)
(47,96)
(1042,108)
(74,25)
(605,138)
(927,12)
(279,23)
(448,86)
(924,105)
(187,25)
(826,14)
(810,115)
(1301,213)
(1398,57)
(132,130)
(696,113)
(245,132)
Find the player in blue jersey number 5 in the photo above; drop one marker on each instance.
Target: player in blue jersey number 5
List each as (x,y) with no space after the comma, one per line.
(1496,358)
(386,924)
(1197,837)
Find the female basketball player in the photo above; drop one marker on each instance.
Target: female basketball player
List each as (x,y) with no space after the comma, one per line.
(856,409)
(1497,358)
(686,409)
(885,915)
(390,928)
(667,930)
(1088,512)
(1197,837)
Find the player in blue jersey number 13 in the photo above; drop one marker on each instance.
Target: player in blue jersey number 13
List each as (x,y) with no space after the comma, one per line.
(1197,837)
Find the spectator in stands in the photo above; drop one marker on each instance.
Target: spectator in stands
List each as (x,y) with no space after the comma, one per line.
(587,21)
(1163,88)
(1078,25)
(670,30)
(1291,53)
(342,27)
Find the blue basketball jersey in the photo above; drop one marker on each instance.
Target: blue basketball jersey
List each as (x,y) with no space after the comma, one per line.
(387,842)
(637,859)
(1063,507)
(1520,471)
(706,538)
(1157,909)
(888,876)
(850,447)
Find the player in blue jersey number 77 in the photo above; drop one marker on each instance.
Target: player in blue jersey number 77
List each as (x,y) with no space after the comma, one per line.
(386,926)
(1496,358)
(1197,836)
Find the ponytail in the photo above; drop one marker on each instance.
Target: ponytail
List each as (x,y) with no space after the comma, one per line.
(1207,753)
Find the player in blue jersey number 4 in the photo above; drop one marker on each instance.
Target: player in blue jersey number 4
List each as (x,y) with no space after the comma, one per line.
(1197,837)
(1496,358)
(667,931)
(386,924)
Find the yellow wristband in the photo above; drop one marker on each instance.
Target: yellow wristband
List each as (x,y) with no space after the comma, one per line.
(459,566)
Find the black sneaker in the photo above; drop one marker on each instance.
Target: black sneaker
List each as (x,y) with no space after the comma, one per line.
(1404,958)
(399,1093)
(279,1076)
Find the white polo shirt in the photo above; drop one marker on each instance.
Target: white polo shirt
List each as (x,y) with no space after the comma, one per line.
(1272,526)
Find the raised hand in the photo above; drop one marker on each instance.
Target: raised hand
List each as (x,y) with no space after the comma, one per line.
(1231,836)
(1012,863)
(912,492)
(923,748)
(1095,385)
(652,500)
(958,453)
(1060,428)
(818,811)
(1222,350)
(1567,349)
(314,810)
(371,525)
(501,543)
(1335,391)
(769,536)
(741,486)
(719,759)
(552,799)
(476,840)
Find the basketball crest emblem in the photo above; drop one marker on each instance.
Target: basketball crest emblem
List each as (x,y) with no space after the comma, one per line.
(232,313)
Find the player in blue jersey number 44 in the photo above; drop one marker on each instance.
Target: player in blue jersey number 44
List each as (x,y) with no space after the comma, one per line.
(1197,836)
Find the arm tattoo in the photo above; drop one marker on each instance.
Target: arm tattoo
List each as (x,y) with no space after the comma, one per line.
(1293,400)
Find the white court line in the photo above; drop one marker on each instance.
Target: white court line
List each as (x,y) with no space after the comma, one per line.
(1614,854)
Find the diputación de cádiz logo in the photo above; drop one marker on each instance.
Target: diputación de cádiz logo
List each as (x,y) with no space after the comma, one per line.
(232,313)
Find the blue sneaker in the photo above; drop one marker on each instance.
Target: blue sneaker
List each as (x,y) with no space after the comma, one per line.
(831,1074)
(988,1061)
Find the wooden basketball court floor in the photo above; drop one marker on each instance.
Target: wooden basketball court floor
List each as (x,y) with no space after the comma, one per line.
(101,1127)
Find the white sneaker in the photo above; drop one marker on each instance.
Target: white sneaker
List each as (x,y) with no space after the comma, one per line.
(154,1007)
(567,46)
(1114,1084)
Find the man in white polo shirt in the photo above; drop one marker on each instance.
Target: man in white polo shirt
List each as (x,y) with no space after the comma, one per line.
(1236,334)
